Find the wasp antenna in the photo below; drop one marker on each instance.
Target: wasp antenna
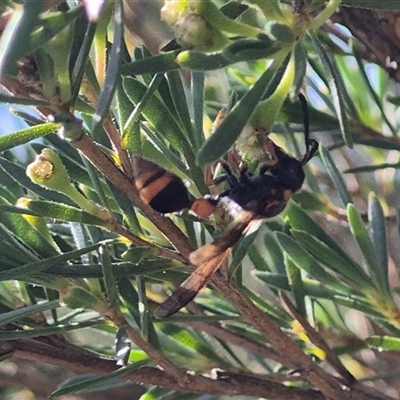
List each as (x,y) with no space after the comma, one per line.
(306,120)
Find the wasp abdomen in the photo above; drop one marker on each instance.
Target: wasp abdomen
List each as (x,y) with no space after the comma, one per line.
(160,189)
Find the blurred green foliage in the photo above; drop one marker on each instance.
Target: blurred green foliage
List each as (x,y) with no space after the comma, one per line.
(87,258)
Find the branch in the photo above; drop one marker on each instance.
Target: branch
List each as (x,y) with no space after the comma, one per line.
(377,30)
(81,361)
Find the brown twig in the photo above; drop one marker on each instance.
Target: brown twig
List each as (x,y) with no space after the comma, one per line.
(216,330)
(55,352)
(93,153)
(316,339)
(181,377)
(115,139)
(223,383)
(329,385)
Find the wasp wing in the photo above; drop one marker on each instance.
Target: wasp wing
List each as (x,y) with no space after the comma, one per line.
(208,260)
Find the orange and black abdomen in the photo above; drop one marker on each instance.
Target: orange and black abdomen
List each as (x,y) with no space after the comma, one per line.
(160,189)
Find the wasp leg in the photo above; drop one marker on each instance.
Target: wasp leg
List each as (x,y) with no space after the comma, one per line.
(271,149)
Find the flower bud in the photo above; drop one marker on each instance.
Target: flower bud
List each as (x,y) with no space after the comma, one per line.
(48,171)
(172,11)
(194,32)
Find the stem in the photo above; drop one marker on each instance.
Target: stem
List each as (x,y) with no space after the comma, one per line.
(322,17)
(270,9)
(215,17)
(267,110)
(181,377)
(63,80)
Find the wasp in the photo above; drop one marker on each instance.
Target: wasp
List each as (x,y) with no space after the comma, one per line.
(252,196)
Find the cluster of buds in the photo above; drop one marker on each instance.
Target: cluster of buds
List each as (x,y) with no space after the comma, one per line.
(192,28)
(250,143)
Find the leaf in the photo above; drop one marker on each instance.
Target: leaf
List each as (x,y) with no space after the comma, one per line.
(141,105)
(378,233)
(335,176)
(336,88)
(300,55)
(113,67)
(383,343)
(197,61)
(344,267)
(243,248)
(51,24)
(16,315)
(304,260)
(299,219)
(158,115)
(148,331)
(311,287)
(13,250)
(250,49)
(371,168)
(184,318)
(179,99)
(198,79)
(22,101)
(274,253)
(91,382)
(109,278)
(232,125)
(57,211)
(297,285)
(120,269)
(51,330)
(41,265)
(130,297)
(364,242)
(27,234)
(159,63)
(81,62)
(15,38)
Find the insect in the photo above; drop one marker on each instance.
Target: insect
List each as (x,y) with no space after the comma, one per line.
(165,191)
(253,196)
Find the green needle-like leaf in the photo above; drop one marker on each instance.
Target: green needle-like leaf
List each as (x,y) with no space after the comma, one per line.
(15,39)
(89,383)
(24,136)
(383,343)
(57,211)
(346,268)
(24,312)
(51,330)
(231,127)
(296,285)
(360,233)
(113,67)
(378,234)
(335,176)
(41,265)
(109,278)
(337,88)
